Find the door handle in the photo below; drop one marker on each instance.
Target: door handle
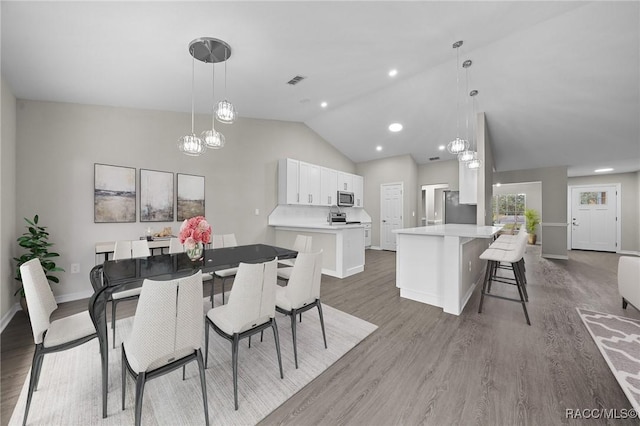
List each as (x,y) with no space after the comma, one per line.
(384,221)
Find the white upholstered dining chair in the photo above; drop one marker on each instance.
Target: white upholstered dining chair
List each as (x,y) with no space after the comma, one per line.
(136,248)
(302,244)
(249,310)
(175,246)
(166,335)
(226,240)
(302,293)
(49,336)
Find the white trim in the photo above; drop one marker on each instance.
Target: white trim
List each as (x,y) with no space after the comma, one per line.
(618,211)
(6,319)
(375,248)
(554,224)
(629,252)
(74,296)
(555,256)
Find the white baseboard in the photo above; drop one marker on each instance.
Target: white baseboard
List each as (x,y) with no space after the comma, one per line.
(629,252)
(375,248)
(9,316)
(555,256)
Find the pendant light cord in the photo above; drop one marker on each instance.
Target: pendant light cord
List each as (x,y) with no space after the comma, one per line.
(457,92)
(225,72)
(193,74)
(213,95)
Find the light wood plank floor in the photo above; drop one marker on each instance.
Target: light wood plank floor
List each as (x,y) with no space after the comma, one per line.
(422,366)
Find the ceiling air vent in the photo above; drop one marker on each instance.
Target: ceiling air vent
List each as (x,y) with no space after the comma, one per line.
(295,80)
(434,158)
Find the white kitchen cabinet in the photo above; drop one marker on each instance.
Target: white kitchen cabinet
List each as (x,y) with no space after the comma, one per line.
(328,186)
(358,191)
(345,182)
(288,171)
(309,184)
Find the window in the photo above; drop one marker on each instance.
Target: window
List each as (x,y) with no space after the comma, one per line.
(593,197)
(509,208)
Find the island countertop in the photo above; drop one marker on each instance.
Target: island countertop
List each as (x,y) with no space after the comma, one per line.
(452,230)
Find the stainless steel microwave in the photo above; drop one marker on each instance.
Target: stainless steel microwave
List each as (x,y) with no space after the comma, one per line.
(345,199)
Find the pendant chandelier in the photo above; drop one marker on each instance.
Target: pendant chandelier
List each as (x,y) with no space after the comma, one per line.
(207,50)
(457,145)
(225,111)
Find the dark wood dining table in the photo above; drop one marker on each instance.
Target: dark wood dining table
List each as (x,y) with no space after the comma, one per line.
(119,275)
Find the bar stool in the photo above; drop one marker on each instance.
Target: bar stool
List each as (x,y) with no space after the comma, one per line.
(511,255)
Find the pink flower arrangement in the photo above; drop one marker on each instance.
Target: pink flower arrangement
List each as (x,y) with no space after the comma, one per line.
(193,231)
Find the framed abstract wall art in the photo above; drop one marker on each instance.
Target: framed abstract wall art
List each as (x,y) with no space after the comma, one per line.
(156,196)
(114,194)
(190,196)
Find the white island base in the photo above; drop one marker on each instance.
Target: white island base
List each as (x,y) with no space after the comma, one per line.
(440,265)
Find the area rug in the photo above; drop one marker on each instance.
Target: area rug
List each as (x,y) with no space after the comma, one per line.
(69,388)
(618,339)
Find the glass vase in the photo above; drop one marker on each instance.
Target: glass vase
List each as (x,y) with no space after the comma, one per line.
(195,253)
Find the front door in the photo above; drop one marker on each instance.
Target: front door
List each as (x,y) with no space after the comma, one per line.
(390,214)
(593,218)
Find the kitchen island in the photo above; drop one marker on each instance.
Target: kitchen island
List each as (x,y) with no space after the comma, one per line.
(439,264)
(342,245)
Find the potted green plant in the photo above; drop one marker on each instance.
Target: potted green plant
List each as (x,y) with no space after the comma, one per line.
(36,242)
(533,220)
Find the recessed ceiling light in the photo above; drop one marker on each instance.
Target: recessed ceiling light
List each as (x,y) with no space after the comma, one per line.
(378,148)
(323,104)
(393,73)
(441,147)
(606,169)
(395,127)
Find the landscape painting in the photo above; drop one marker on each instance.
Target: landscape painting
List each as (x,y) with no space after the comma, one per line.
(156,196)
(190,196)
(114,194)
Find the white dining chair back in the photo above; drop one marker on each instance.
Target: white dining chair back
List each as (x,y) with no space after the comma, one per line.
(166,334)
(302,244)
(140,248)
(122,250)
(175,246)
(229,240)
(304,284)
(219,241)
(39,297)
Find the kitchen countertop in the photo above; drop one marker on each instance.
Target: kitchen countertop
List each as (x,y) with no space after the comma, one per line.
(453,230)
(324,226)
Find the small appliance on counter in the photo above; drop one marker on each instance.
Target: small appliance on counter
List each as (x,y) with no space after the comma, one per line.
(337,218)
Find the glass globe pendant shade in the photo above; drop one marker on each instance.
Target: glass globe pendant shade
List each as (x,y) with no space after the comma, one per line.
(474,164)
(212,139)
(457,146)
(191,145)
(466,156)
(225,112)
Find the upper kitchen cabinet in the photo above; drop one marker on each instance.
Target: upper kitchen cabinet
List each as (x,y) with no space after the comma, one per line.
(345,182)
(288,171)
(309,184)
(328,186)
(358,191)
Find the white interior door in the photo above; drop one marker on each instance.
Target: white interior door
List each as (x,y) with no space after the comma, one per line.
(390,214)
(593,218)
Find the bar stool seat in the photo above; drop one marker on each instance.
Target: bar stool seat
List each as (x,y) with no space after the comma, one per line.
(511,254)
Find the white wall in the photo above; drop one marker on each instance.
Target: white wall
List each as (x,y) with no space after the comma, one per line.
(7,202)
(630,199)
(58,144)
(390,170)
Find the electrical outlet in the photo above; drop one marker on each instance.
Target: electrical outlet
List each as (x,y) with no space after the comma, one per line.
(75,268)
(257,212)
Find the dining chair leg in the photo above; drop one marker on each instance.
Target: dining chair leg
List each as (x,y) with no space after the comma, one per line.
(38,370)
(324,335)
(223,280)
(184,367)
(213,282)
(274,325)
(234,364)
(32,381)
(293,335)
(203,384)
(206,343)
(624,303)
(140,382)
(123,375)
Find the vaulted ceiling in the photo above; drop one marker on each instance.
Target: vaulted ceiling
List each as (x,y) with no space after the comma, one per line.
(559,81)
